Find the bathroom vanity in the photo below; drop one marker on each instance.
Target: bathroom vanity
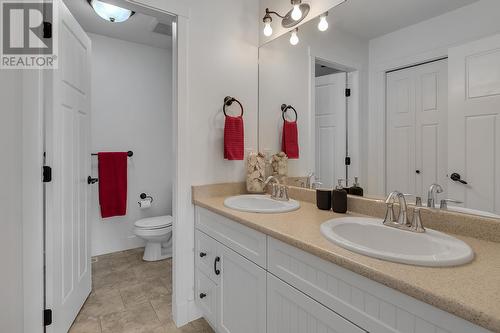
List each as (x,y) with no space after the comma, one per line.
(277,273)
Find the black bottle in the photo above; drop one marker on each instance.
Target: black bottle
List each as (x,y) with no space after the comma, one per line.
(356,189)
(339,199)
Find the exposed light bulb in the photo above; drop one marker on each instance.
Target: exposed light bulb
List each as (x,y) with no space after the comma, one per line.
(296,12)
(323,23)
(268,31)
(294,39)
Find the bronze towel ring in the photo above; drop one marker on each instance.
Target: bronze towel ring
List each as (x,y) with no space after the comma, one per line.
(228,101)
(285,108)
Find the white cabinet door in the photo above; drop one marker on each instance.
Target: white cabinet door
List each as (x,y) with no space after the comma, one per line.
(290,311)
(474,123)
(330,120)
(242,300)
(207,294)
(205,253)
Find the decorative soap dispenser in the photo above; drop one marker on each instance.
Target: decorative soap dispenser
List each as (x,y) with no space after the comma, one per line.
(356,189)
(339,198)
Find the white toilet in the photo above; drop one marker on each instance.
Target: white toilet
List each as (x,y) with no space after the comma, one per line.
(157,232)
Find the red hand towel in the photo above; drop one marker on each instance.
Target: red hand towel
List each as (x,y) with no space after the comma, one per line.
(290,140)
(233,138)
(113,184)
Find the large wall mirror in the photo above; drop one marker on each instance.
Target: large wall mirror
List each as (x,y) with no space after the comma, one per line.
(400,100)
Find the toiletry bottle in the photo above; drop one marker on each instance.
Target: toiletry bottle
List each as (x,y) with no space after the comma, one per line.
(356,189)
(339,199)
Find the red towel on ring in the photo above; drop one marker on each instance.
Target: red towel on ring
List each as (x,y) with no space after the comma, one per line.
(234,138)
(290,139)
(113,184)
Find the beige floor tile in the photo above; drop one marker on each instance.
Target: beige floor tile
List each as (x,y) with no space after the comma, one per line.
(102,303)
(163,309)
(201,326)
(133,294)
(87,325)
(138,319)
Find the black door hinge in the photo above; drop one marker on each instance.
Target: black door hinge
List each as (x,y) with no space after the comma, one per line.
(47,174)
(347,160)
(347,92)
(47,317)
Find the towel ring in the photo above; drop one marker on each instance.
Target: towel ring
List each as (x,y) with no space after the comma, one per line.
(228,101)
(285,108)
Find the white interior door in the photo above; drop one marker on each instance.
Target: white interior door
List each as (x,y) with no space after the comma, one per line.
(417,106)
(67,109)
(330,128)
(474,123)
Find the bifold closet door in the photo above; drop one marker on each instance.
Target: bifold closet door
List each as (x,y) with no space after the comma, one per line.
(416,128)
(67,112)
(474,124)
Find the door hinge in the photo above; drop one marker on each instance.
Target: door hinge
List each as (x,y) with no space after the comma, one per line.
(347,92)
(47,174)
(347,160)
(47,317)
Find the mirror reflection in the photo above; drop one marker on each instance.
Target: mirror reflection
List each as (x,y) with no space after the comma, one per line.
(383,102)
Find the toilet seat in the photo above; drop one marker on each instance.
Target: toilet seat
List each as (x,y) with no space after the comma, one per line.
(153,223)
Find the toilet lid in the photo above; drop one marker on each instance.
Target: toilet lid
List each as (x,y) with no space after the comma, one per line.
(155,222)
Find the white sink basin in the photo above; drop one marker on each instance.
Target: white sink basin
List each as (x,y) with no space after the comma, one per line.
(256,203)
(370,237)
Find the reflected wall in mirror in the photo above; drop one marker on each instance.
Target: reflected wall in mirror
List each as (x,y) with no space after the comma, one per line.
(423,108)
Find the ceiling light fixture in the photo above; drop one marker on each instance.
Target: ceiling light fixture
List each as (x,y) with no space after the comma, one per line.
(110,12)
(294,38)
(323,23)
(290,20)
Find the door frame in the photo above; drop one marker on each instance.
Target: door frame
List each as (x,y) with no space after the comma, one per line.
(353,130)
(33,127)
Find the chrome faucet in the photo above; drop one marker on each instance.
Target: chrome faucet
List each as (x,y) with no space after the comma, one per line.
(434,189)
(403,208)
(312,182)
(278,190)
(402,221)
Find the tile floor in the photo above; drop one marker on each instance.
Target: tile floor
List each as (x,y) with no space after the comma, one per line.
(131,295)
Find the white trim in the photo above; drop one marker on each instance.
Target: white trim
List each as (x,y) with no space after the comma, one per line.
(32,201)
(377,108)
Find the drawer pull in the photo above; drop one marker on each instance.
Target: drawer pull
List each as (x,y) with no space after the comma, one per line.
(203,295)
(202,254)
(216,270)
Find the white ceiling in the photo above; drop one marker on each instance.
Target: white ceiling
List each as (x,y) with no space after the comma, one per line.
(137,29)
(369,19)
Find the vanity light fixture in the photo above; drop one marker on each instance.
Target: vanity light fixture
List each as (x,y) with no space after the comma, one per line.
(268,31)
(296,12)
(290,20)
(323,23)
(110,12)
(294,38)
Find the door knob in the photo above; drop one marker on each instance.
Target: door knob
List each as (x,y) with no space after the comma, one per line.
(457,178)
(202,254)
(203,295)
(417,172)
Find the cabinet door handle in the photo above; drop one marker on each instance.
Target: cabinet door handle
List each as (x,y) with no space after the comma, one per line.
(203,295)
(216,270)
(202,254)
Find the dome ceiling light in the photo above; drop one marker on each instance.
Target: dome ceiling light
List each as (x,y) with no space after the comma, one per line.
(110,12)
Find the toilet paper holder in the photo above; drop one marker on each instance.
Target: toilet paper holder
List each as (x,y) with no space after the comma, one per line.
(144,196)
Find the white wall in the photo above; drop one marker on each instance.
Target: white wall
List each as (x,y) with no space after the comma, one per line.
(131,110)
(11,254)
(427,40)
(285,77)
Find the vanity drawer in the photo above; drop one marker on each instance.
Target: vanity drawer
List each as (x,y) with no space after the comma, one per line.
(249,243)
(206,297)
(205,254)
(371,305)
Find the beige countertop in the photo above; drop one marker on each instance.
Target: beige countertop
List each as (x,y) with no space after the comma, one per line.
(471,291)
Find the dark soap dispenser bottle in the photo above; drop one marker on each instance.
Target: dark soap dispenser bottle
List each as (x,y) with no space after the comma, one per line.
(339,199)
(356,189)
